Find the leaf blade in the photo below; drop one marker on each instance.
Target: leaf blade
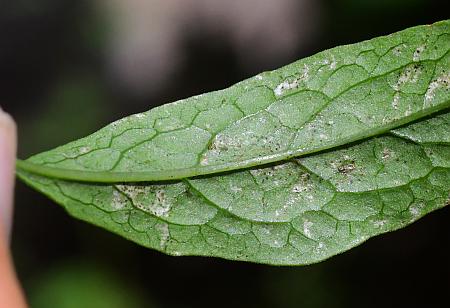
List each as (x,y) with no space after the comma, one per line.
(327,215)
(341,95)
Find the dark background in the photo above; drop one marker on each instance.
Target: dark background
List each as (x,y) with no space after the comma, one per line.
(57,83)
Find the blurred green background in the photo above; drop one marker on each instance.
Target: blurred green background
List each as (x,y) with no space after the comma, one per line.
(69,67)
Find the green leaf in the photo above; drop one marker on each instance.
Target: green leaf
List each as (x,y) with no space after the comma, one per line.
(295,212)
(330,99)
(289,208)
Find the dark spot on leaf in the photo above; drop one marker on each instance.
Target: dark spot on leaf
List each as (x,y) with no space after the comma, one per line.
(346,167)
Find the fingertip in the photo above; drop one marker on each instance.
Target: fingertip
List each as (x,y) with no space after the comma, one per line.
(7,123)
(8,145)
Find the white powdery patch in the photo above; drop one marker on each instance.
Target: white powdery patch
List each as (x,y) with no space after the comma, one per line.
(303,184)
(76,152)
(290,202)
(379,223)
(418,52)
(333,63)
(309,197)
(408,111)
(140,115)
(272,236)
(387,153)
(118,201)
(289,85)
(84,150)
(152,200)
(118,122)
(204,161)
(323,136)
(297,188)
(307,228)
(264,172)
(224,142)
(320,247)
(416,209)
(398,50)
(409,75)
(266,229)
(441,81)
(359,240)
(235,189)
(396,100)
(164,234)
(161,206)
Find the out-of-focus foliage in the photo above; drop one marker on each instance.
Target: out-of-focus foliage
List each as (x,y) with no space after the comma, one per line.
(79,284)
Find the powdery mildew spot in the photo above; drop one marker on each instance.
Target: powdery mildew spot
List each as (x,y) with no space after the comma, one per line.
(344,166)
(307,228)
(223,143)
(398,50)
(286,85)
(418,52)
(442,81)
(396,100)
(235,189)
(268,172)
(408,111)
(84,150)
(118,122)
(148,199)
(204,161)
(118,201)
(302,185)
(359,239)
(415,209)
(333,63)
(386,154)
(140,115)
(379,223)
(409,75)
(76,152)
(289,85)
(320,247)
(297,188)
(164,234)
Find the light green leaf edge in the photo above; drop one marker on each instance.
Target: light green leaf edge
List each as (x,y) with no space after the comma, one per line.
(310,209)
(335,97)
